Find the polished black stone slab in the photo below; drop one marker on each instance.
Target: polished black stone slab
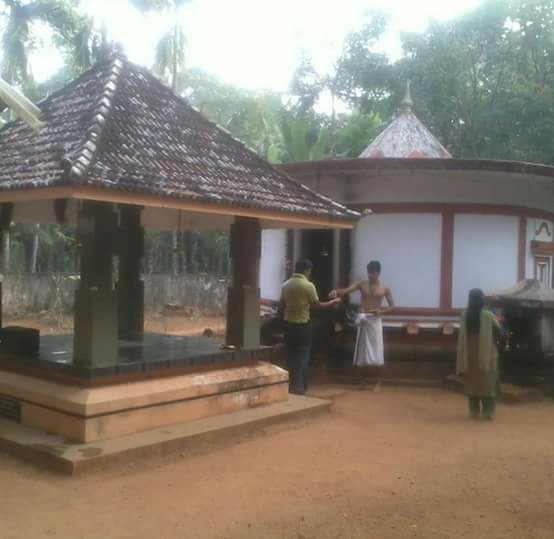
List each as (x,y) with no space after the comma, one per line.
(157,352)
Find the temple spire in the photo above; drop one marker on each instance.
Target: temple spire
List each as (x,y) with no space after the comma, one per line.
(406,104)
(405,137)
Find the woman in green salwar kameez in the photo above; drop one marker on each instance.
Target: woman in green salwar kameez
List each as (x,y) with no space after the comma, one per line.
(477,359)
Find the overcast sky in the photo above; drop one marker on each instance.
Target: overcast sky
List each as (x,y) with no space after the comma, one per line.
(256,44)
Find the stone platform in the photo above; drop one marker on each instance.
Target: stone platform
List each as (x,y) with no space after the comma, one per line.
(60,455)
(86,414)
(156,355)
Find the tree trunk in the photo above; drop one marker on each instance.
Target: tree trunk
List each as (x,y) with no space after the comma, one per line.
(6,251)
(175,253)
(189,250)
(34,253)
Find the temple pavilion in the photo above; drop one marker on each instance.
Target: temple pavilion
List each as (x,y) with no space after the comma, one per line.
(119,152)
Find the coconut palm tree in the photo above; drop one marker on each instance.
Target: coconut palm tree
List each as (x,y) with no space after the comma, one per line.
(169,61)
(72,32)
(170,50)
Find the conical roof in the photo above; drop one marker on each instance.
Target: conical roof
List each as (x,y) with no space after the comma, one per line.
(406,137)
(117,127)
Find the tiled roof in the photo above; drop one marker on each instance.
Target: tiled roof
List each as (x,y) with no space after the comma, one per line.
(117,127)
(406,138)
(526,291)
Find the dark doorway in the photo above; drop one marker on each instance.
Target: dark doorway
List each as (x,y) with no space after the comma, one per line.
(317,245)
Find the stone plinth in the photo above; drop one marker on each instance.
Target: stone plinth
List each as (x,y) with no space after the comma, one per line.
(99,413)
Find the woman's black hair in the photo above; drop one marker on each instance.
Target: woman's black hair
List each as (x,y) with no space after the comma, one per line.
(473,314)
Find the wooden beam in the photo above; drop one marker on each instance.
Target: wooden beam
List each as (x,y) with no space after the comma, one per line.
(83,192)
(456,208)
(522,248)
(545,248)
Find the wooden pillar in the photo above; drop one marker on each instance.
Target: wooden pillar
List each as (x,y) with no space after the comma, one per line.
(130,286)
(522,248)
(447,260)
(290,253)
(345,258)
(298,246)
(243,300)
(336,283)
(95,340)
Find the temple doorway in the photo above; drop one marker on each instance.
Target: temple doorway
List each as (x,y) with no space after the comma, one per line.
(317,245)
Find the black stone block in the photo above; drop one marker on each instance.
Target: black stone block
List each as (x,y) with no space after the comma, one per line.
(81,372)
(181,363)
(150,366)
(20,340)
(263,354)
(244,354)
(130,368)
(62,368)
(101,372)
(205,359)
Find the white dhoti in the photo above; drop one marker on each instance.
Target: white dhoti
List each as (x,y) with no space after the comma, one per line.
(369,341)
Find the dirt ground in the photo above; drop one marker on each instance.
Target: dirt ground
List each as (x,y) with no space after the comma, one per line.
(397,463)
(154,322)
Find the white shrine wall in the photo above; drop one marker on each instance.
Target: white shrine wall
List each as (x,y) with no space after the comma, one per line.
(273,263)
(409,249)
(485,254)
(496,217)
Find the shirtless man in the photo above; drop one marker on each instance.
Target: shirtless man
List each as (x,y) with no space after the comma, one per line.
(368,351)
(373,291)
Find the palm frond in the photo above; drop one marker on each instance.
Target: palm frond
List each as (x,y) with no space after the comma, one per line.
(20,105)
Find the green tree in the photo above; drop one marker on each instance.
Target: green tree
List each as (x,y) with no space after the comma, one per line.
(169,62)
(72,33)
(484,82)
(170,50)
(252,117)
(362,77)
(81,44)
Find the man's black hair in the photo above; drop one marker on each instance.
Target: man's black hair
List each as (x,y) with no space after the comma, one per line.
(374,267)
(303,265)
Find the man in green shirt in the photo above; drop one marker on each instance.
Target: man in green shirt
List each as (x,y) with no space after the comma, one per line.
(298,296)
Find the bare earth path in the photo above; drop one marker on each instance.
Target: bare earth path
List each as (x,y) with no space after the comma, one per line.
(394,464)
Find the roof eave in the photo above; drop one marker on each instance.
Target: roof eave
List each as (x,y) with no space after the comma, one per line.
(357,164)
(114,196)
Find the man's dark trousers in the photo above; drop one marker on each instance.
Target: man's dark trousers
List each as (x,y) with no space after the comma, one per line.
(298,341)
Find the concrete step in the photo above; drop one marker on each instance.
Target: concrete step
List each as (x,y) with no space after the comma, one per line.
(54,452)
(328,391)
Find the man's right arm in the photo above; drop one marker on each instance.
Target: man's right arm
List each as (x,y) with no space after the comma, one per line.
(326,304)
(316,304)
(341,292)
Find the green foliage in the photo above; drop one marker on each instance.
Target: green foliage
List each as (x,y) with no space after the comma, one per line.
(362,77)
(170,50)
(252,117)
(157,5)
(57,248)
(483,83)
(355,132)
